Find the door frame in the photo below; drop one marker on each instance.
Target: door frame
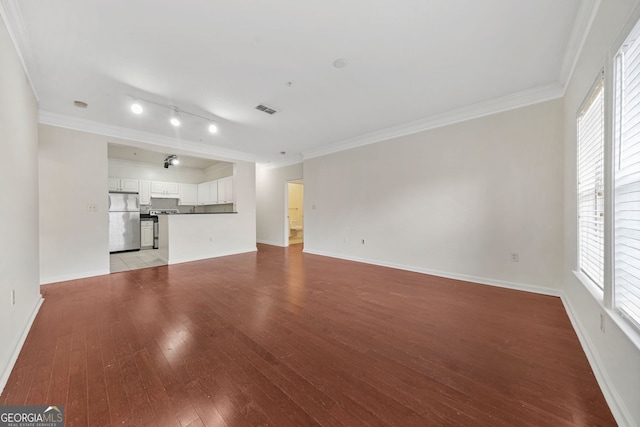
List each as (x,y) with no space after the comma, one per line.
(286,208)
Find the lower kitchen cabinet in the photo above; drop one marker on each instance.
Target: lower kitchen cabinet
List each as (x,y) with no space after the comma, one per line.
(146,234)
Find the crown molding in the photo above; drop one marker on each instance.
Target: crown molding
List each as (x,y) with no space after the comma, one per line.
(276,165)
(494,106)
(132,163)
(581,27)
(12,18)
(157,141)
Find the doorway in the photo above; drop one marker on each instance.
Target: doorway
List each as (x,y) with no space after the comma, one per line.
(295,212)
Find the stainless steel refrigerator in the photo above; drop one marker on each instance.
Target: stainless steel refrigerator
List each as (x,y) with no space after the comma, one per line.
(124,222)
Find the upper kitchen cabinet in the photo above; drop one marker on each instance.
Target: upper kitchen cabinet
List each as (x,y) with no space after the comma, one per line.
(145,192)
(167,190)
(123,184)
(208,193)
(225,190)
(188,194)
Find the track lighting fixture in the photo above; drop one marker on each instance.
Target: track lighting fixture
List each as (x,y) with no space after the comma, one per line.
(171,160)
(176,112)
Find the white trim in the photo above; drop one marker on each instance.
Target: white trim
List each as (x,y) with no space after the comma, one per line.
(18,347)
(615,402)
(275,165)
(163,142)
(494,106)
(581,27)
(219,167)
(270,243)
(10,13)
(222,254)
(133,163)
(74,276)
(463,277)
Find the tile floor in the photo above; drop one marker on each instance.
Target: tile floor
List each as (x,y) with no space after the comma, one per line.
(125,261)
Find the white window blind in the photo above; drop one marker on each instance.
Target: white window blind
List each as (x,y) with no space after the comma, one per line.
(626,140)
(591,186)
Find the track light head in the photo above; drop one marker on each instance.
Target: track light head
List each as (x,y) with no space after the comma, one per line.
(171,160)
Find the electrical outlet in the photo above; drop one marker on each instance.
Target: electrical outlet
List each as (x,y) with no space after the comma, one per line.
(363,241)
(13,297)
(602,321)
(91,207)
(515,257)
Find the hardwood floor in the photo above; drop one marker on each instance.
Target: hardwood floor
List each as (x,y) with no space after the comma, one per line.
(283,338)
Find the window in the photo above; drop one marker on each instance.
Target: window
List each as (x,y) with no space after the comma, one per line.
(591,185)
(626,178)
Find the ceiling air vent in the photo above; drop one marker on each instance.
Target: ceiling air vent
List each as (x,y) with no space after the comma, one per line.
(265,109)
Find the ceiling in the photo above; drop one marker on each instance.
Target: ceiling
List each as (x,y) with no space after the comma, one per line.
(410,65)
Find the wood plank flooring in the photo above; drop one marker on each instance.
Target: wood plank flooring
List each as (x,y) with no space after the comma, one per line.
(283,338)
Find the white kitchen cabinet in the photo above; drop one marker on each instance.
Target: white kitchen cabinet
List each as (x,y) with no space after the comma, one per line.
(167,190)
(145,192)
(225,190)
(188,194)
(123,184)
(146,234)
(208,193)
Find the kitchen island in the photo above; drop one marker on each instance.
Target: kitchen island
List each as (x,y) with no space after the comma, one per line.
(192,237)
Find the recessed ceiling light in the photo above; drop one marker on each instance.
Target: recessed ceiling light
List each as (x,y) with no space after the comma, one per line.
(175,118)
(136,108)
(340,63)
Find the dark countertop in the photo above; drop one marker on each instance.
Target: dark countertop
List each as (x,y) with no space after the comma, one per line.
(205,213)
(149,216)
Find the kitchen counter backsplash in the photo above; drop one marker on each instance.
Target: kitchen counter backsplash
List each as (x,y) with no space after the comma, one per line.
(161,204)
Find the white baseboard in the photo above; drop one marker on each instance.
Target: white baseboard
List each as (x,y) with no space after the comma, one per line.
(619,411)
(74,276)
(18,345)
(448,275)
(218,255)
(268,242)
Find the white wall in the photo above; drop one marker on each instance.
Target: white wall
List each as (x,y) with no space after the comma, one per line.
(218,171)
(614,354)
(454,201)
(19,212)
(74,242)
(271,208)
